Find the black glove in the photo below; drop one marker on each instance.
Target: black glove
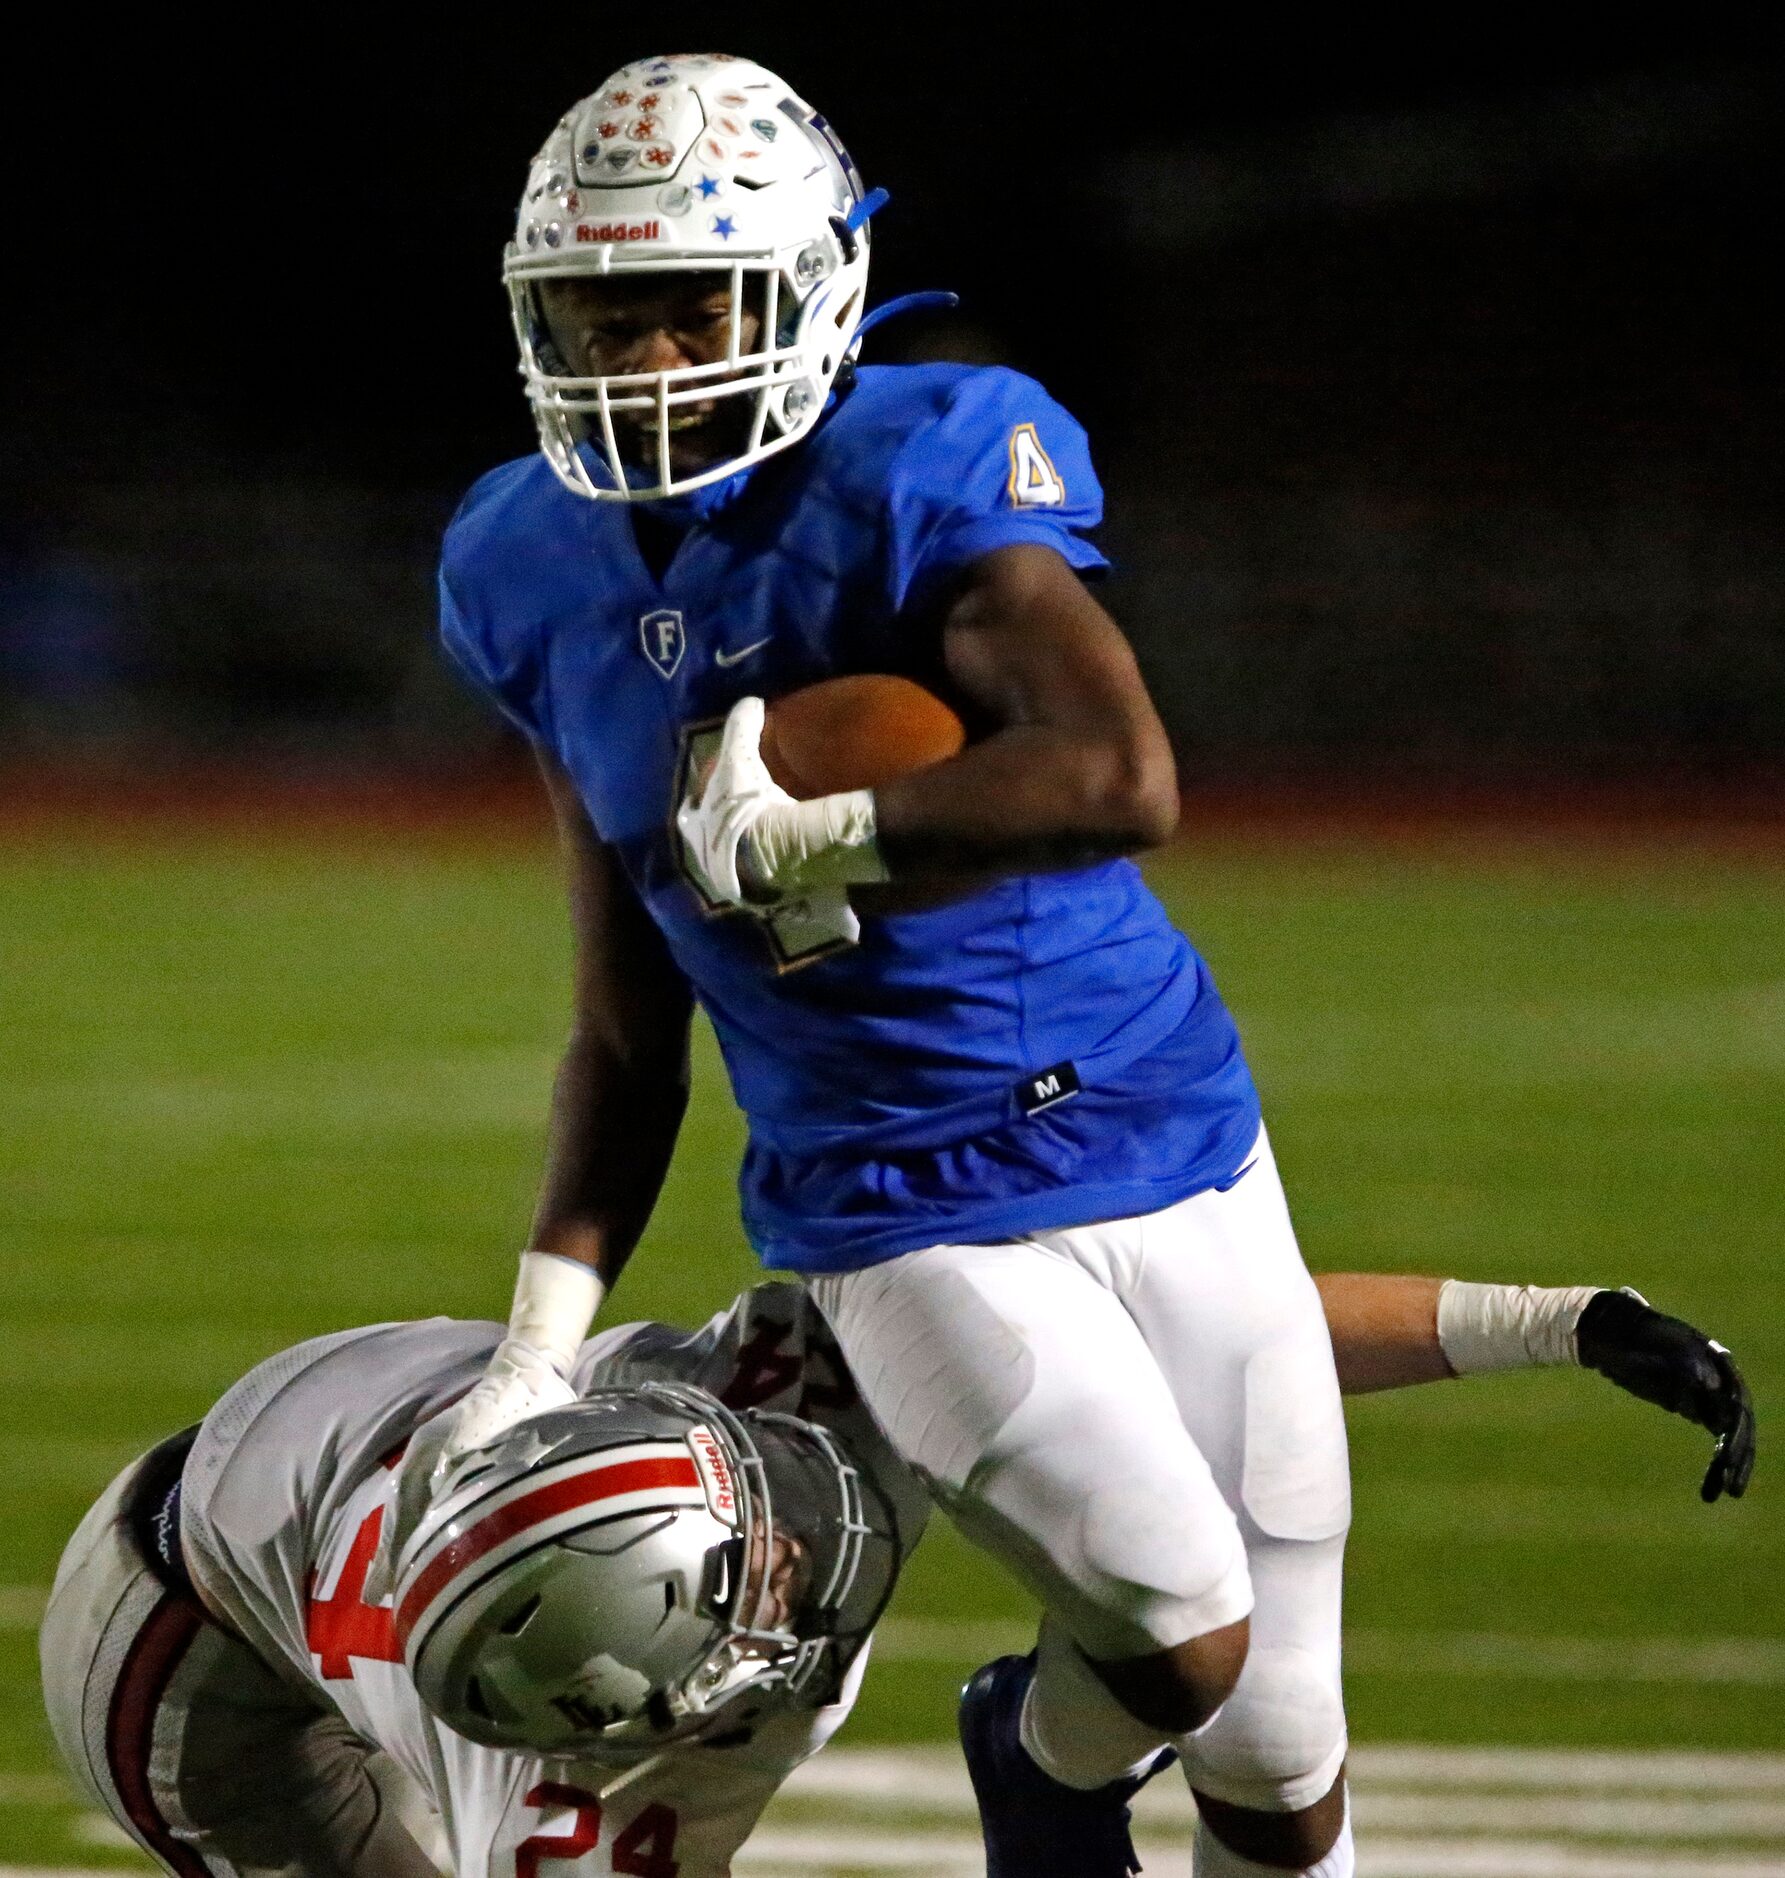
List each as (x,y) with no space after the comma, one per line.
(1667,1362)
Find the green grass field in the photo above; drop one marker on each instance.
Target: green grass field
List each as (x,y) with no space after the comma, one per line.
(253,1091)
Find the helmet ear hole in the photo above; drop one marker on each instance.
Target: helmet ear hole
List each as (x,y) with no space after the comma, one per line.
(530,314)
(846,240)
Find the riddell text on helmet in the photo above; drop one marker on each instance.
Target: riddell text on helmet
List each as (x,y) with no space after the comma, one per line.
(619,231)
(715,1474)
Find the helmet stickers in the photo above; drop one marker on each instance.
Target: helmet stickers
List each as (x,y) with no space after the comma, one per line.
(694,175)
(715,1474)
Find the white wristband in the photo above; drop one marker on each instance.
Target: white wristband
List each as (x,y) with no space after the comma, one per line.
(1489,1327)
(555,1300)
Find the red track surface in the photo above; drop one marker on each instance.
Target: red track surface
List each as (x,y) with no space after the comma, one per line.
(504,803)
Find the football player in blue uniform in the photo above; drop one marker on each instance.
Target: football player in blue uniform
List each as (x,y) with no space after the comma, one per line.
(1010,1141)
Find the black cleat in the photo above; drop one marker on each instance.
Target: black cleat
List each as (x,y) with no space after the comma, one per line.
(1036,1826)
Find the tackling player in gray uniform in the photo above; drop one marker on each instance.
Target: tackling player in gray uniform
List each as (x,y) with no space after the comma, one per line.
(626,1621)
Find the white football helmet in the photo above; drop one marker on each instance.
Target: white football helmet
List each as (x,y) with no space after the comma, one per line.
(694,163)
(638,1568)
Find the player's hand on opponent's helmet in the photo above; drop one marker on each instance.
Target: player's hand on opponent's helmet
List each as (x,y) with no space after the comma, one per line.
(755,844)
(520,1381)
(1668,1362)
(555,1300)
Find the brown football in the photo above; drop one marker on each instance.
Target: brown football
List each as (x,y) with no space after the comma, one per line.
(856,733)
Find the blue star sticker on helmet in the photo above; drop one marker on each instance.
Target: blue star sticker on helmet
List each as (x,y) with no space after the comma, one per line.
(708,186)
(724,227)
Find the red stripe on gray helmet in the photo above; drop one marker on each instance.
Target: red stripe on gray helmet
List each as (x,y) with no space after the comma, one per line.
(535,1509)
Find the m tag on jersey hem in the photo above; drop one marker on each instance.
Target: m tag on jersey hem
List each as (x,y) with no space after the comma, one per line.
(1047,1087)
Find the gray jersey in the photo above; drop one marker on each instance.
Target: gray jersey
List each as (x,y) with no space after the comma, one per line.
(283,1505)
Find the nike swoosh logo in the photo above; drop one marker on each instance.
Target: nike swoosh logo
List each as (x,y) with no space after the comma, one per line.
(743,652)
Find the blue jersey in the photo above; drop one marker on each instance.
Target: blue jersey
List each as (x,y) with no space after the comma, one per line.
(1044,1053)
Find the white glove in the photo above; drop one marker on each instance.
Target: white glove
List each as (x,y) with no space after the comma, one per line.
(752,843)
(508,1392)
(555,1300)
(520,1381)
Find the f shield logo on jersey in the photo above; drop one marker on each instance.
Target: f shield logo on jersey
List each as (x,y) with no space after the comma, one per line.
(663,640)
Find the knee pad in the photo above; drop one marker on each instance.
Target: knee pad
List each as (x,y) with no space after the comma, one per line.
(1155,1568)
(1279,1740)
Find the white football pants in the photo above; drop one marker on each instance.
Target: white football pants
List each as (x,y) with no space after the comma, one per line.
(1141,1419)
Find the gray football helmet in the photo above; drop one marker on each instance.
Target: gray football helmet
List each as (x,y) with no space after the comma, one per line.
(642,1567)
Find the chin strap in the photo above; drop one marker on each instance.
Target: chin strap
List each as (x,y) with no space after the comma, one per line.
(864,206)
(938,299)
(636,1772)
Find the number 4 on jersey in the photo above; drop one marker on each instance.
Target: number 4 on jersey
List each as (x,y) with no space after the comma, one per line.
(799,931)
(1034,482)
(343,1626)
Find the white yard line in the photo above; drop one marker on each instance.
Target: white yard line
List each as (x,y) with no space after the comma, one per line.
(100,1829)
(819,1850)
(70,1871)
(932,1779)
(1167,1806)
(1582,1768)
(917,1777)
(1598,1816)
(951,1856)
(1423,1812)
(1537,1858)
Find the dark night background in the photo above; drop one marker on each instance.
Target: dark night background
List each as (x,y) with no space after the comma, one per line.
(1433,379)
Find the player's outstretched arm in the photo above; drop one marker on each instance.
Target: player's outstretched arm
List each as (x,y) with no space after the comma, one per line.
(1390,1331)
(1384,1327)
(617,1106)
(622,1088)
